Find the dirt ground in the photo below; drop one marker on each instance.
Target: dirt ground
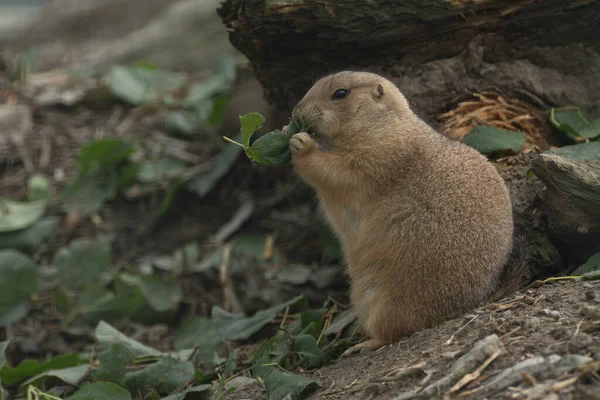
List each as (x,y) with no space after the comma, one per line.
(559,318)
(554,319)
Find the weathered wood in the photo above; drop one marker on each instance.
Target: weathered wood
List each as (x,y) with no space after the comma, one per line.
(572,205)
(433,49)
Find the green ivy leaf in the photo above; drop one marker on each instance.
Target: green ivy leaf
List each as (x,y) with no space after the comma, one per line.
(71,376)
(84,261)
(104,154)
(31,238)
(96,302)
(271,149)
(592,131)
(141,85)
(279,384)
(19,281)
(38,188)
(104,169)
(182,123)
(101,391)
(116,351)
(238,327)
(250,123)
(569,120)
(161,293)
(307,346)
(494,141)
(331,245)
(218,83)
(592,275)
(17,215)
(581,151)
(591,265)
(30,368)
(151,171)
(218,111)
(86,195)
(292,128)
(164,376)
(200,333)
(192,390)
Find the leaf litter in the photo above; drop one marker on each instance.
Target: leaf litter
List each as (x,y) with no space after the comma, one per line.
(280,340)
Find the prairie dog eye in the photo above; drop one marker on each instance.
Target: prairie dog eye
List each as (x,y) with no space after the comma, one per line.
(340,94)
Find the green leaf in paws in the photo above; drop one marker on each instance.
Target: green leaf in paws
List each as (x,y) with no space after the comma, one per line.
(250,124)
(271,149)
(292,128)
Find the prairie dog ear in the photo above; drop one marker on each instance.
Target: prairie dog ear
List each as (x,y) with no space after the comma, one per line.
(378,92)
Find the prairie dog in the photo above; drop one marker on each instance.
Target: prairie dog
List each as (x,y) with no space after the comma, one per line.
(425,222)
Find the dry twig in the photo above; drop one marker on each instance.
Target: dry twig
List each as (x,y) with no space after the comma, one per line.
(475,374)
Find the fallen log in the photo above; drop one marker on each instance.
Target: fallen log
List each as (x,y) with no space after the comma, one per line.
(546,51)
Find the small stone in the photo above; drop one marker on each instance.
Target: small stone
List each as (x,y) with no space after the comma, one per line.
(16,122)
(559,333)
(532,323)
(451,355)
(546,312)
(589,294)
(241,382)
(591,312)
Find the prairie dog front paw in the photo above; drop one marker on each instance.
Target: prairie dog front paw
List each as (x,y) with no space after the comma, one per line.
(301,144)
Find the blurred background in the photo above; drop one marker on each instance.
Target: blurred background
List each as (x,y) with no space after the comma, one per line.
(128,226)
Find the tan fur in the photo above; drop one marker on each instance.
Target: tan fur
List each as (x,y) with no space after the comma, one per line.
(425,222)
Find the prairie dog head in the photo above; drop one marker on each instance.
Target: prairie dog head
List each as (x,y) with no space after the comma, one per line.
(359,104)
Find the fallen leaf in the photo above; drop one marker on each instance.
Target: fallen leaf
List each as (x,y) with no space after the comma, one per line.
(491,140)
(101,391)
(31,238)
(84,261)
(582,151)
(237,327)
(164,376)
(19,281)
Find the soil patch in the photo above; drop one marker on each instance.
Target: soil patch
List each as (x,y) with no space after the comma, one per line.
(556,319)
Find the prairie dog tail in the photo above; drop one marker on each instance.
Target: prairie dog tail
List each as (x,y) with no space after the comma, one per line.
(516,271)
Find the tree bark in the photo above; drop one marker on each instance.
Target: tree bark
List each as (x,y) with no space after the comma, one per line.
(434,50)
